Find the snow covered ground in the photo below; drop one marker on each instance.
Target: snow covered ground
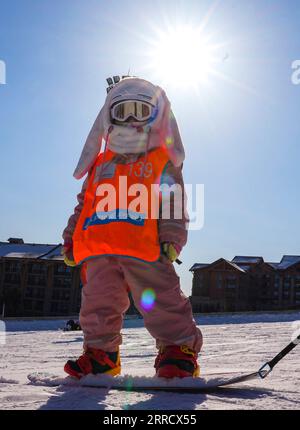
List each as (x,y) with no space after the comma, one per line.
(231,343)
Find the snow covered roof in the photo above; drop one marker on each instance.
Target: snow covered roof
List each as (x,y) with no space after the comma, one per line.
(247,260)
(288,260)
(245,267)
(31,250)
(235,266)
(197,266)
(244,264)
(274,265)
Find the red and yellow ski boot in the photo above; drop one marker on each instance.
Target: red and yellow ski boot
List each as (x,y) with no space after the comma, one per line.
(177,362)
(94,361)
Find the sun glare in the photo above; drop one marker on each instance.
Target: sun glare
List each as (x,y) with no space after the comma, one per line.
(182,57)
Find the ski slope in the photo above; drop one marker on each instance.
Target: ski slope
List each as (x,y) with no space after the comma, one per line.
(231,343)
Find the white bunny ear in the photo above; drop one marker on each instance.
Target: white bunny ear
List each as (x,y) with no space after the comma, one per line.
(91,148)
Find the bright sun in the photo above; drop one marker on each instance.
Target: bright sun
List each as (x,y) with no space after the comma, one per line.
(183,57)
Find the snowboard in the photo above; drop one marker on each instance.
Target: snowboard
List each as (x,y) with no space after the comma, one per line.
(208,383)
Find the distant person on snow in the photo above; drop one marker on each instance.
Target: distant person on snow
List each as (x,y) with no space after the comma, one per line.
(121,247)
(72,325)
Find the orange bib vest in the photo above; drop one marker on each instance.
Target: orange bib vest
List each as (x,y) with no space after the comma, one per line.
(116,218)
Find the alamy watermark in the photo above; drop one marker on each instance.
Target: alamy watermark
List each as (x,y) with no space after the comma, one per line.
(295,78)
(137,203)
(2,72)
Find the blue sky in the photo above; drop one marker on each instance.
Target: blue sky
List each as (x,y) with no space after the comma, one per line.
(241,134)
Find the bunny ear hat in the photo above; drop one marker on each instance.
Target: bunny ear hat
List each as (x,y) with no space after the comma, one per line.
(161,131)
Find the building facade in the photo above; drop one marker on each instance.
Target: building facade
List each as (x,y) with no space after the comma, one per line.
(246,284)
(35,282)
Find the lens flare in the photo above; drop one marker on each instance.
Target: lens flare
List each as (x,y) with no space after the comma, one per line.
(148,299)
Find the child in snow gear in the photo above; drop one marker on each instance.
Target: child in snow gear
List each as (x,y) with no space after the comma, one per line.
(119,242)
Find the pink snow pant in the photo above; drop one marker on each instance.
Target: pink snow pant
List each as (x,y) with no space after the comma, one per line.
(105,300)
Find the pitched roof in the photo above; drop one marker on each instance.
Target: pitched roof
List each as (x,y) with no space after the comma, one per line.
(244,263)
(288,261)
(274,265)
(199,266)
(241,259)
(31,250)
(235,266)
(245,267)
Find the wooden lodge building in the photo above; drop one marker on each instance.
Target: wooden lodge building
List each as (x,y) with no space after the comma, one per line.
(246,284)
(34,281)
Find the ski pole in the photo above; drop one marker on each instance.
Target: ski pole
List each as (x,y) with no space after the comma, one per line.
(268,367)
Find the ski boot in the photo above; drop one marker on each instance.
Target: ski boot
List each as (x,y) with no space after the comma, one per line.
(176,362)
(94,361)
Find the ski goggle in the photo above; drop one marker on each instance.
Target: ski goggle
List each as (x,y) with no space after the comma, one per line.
(139,110)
